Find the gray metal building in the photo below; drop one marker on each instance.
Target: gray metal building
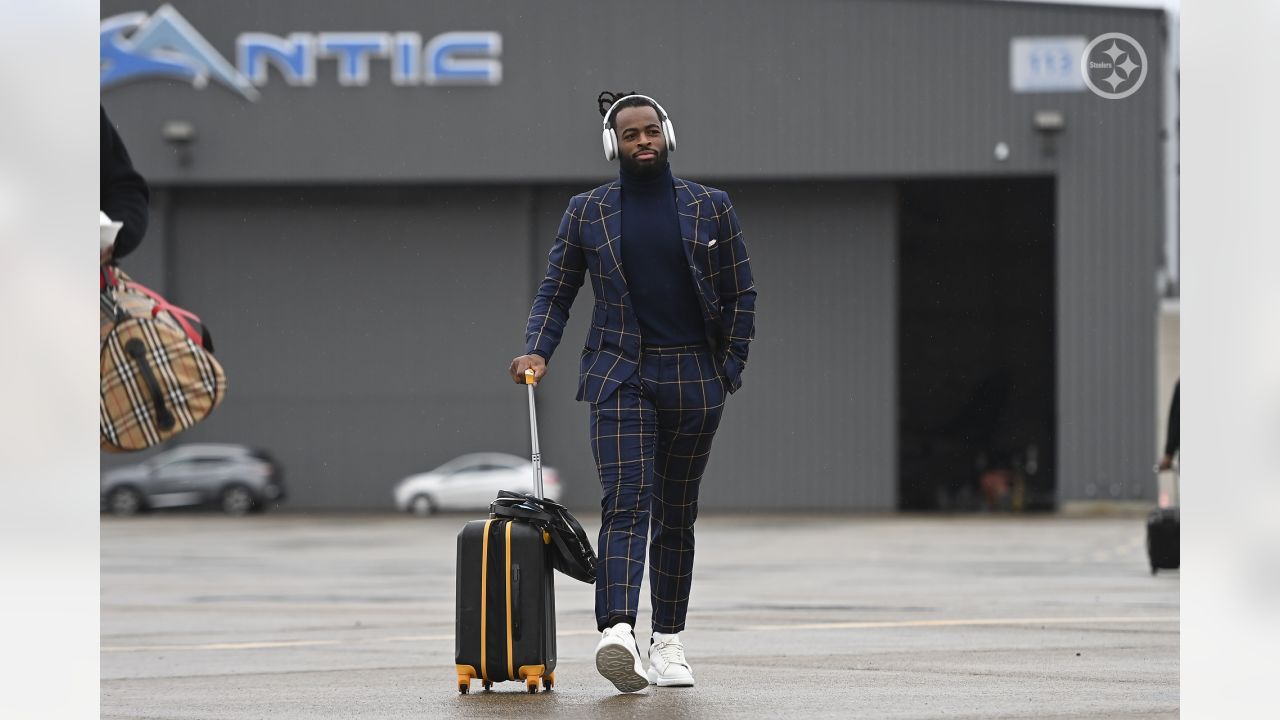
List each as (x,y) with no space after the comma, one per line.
(955,260)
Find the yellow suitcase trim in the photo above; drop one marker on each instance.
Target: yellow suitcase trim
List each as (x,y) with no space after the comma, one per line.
(510,631)
(484,600)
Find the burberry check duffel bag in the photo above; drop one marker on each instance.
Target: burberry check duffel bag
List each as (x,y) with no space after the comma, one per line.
(159,376)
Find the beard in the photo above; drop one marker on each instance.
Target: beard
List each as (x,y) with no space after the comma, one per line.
(644,171)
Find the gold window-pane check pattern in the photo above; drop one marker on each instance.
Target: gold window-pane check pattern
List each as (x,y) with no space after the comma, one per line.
(651,441)
(588,241)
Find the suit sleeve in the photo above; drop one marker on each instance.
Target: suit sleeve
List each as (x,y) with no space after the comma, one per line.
(737,293)
(124,194)
(566,271)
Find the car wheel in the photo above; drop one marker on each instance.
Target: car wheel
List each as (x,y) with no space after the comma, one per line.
(237,501)
(421,505)
(125,502)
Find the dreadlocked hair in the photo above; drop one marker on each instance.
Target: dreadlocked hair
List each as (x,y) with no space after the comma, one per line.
(606,100)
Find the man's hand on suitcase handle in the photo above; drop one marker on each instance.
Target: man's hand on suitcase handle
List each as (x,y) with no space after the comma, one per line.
(528,362)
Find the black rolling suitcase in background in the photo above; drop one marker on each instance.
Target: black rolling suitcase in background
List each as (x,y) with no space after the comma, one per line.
(1164,528)
(506,626)
(1163,531)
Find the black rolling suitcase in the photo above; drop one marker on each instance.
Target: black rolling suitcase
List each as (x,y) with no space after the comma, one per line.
(1164,530)
(506,605)
(506,627)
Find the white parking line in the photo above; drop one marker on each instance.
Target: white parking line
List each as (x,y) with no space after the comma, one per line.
(221,646)
(428,638)
(284,644)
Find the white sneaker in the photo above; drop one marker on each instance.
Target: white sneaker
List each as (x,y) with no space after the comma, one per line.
(619,661)
(667,666)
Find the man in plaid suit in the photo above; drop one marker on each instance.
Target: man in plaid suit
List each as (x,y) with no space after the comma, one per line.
(673,316)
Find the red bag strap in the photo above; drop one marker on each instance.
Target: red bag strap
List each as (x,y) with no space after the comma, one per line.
(182,316)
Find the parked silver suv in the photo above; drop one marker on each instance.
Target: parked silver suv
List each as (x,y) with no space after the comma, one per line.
(235,478)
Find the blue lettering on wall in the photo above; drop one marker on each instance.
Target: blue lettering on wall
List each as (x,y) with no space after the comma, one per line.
(353,51)
(293,57)
(135,46)
(406,67)
(447,64)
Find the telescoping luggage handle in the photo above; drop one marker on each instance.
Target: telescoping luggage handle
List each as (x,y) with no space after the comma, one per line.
(1168,494)
(530,380)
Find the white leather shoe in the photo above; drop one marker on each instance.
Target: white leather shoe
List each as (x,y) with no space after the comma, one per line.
(619,661)
(667,664)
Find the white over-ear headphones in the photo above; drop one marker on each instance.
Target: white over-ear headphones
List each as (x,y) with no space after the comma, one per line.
(610,139)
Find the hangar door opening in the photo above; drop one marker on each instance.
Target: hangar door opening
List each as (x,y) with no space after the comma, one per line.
(976,351)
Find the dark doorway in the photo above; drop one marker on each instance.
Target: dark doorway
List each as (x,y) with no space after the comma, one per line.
(977,401)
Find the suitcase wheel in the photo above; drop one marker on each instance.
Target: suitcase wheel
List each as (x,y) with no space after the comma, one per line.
(465,673)
(548,682)
(487,685)
(532,685)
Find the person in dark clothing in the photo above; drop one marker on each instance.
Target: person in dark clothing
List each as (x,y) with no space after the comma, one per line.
(1171,439)
(122,193)
(674,313)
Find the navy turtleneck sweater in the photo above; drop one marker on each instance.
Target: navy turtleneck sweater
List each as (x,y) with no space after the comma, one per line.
(654,262)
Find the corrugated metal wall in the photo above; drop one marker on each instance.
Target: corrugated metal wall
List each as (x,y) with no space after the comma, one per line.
(814,424)
(1109,226)
(366,335)
(758,89)
(362,330)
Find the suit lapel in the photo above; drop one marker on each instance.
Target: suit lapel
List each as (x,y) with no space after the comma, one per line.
(690,211)
(610,206)
(687,208)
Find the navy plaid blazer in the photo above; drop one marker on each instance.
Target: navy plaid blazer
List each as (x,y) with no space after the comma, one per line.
(588,239)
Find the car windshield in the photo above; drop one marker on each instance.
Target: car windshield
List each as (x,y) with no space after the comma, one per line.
(476,463)
(164,459)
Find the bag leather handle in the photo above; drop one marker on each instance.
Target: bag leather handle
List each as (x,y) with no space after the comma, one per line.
(138,351)
(508,511)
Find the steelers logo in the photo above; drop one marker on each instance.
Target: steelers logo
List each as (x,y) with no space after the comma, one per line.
(1114,65)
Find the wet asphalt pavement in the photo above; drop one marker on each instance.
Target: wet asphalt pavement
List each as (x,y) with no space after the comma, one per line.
(797,616)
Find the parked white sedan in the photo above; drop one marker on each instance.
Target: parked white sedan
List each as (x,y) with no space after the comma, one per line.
(471,482)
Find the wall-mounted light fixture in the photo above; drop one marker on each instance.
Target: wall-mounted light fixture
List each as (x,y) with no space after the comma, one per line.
(179,134)
(1049,123)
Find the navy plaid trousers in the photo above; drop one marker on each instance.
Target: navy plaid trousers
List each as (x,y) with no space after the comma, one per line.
(651,440)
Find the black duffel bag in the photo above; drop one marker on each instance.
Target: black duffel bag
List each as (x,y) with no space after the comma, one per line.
(574,556)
